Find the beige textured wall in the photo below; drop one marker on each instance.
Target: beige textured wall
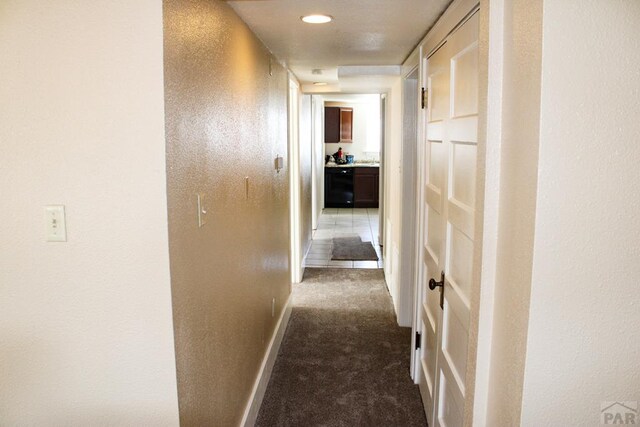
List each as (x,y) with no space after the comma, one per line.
(509,221)
(86,333)
(519,173)
(584,333)
(226,119)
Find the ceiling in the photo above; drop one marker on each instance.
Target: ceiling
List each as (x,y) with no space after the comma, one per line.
(363,32)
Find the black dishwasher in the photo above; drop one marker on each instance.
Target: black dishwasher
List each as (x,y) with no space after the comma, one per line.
(338,187)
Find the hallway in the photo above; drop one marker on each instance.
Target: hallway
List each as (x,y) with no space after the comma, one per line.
(163,184)
(343,361)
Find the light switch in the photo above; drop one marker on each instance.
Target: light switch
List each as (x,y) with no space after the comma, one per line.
(55,223)
(202,211)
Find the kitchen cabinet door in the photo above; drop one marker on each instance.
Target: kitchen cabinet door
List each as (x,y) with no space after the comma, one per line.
(366,187)
(338,124)
(346,125)
(331,124)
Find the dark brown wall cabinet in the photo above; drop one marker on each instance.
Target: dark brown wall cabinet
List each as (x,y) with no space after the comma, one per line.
(338,124)
(366,187)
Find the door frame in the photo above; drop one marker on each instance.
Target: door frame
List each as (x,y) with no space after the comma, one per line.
(409,220)
(418,270)
(381,192)
(317,160)
(295,251)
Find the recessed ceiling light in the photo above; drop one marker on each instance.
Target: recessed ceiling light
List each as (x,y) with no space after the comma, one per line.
(316,19)
(319,83)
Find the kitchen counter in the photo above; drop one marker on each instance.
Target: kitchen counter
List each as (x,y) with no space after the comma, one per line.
(352,165)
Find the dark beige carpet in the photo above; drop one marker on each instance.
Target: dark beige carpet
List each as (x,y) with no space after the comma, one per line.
(353,249)
(343,360)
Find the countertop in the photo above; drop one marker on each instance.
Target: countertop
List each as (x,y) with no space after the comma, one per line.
(352,165)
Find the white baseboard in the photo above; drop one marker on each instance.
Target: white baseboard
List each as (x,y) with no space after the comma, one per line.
(303,265)
(260,385)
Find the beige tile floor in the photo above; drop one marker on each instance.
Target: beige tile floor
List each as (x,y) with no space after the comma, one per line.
(339,222)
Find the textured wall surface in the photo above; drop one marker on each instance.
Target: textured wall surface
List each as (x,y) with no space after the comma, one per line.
(584,335)
(518,186)
(226,119)
(85,326)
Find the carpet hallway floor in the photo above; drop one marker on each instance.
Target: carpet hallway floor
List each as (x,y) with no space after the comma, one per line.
(343,361)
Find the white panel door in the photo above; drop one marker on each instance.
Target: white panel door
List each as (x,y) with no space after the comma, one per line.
(449,194)
(434,220)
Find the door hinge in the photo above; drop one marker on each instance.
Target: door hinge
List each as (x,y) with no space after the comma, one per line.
(418,340)
(424,98)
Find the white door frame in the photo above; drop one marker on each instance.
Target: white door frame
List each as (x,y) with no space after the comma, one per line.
(419,226)
(410,189)
(381,188)
(317,143)
(314,165)
(295,255)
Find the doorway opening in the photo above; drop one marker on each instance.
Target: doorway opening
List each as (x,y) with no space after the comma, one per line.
(346,141)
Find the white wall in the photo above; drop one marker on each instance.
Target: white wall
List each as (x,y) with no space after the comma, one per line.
(509,207)
(317,125)
(393,187)
(366,125)
(306,196)
(584,333)
(407,267)
(295,181)
(85,325)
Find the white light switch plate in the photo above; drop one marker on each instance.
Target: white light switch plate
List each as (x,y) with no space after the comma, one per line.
(56,227)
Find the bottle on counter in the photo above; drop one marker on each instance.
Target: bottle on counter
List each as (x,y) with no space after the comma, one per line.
(338,155)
